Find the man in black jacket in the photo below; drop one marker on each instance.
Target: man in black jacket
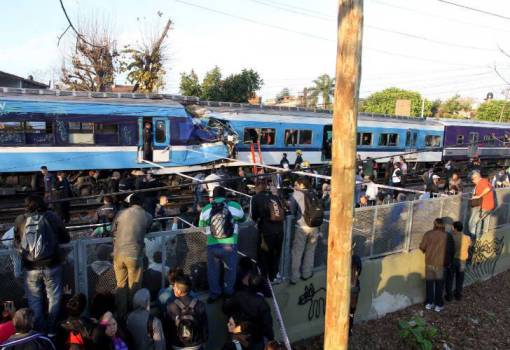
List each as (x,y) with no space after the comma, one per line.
(270,232)
(37,235)
(249,302)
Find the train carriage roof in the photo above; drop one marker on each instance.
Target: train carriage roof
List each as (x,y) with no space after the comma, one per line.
(76,104)
(473,123)
(311,117)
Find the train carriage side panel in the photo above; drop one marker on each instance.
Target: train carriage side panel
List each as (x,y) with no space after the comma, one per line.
(81,135)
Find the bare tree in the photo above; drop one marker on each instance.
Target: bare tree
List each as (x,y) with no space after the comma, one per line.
(145,63)
(94,61)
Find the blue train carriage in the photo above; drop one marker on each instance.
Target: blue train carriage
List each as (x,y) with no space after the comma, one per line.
(381,137)
(81,132)
(378,137)
(278,132)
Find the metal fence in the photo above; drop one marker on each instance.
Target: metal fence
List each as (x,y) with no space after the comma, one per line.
(377,231)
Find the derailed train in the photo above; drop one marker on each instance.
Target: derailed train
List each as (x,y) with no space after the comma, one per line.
(79,131)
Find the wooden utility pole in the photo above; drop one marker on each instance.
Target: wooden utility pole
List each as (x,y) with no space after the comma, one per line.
(348,73)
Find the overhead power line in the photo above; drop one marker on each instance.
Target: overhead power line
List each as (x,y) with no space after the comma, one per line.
(435,15)
(434,41)
(303,12)
(475,9)
(71,26)
(381,51)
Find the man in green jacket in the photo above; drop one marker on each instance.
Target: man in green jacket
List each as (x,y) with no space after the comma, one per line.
(220,219)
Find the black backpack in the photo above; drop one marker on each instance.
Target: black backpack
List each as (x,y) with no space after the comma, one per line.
(275,209)
(221,225)
(188,328)
(314,211)
(38,241)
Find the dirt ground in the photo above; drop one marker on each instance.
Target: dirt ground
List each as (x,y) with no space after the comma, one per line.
(480,321)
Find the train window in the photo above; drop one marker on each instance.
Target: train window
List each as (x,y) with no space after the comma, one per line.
(291,137)
(488,139)
(11,127)
(265,135)
(460,139)
(473,137)
(79,127)
(305,137)
(364,138)
(298,137)
(106,129)
(81,133)
(388,140)
(160,131)
(432,141)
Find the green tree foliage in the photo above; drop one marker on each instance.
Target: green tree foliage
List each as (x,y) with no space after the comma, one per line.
(241,87)
(323,88)
(190,85)
(493,110)
(234,88)
(211,85)
(452,106)
(145,64)
(383,102)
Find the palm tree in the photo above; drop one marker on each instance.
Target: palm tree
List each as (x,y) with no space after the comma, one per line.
(324,87)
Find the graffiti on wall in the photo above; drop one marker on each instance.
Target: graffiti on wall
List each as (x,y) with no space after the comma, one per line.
(315,299)
(485,256)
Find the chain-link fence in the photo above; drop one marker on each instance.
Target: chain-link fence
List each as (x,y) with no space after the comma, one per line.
(377,231)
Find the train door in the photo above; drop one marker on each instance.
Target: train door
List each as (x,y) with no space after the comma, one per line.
(154,139)
(327,142)
(411,140)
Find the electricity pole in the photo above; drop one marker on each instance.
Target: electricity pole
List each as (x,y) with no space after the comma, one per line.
(348,72)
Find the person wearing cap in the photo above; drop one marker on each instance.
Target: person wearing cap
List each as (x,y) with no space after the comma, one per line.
(299,159)
(129,229)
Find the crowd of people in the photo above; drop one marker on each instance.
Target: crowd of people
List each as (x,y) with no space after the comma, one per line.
(139,314)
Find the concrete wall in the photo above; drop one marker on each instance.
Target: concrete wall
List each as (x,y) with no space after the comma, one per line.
(388,284)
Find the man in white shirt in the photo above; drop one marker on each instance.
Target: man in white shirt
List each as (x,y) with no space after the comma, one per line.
(210,186)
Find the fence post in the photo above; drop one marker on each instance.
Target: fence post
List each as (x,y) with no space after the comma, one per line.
(372,239)
(285,257)
(164,250)
(81,267)
(409,229)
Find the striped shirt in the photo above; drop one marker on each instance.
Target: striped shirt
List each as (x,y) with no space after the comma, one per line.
(237,216)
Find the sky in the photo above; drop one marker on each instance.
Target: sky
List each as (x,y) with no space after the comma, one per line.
(424,45)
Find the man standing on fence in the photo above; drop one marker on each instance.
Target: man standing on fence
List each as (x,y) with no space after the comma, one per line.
(220,219)
(37,235)
(482,204)
(129,229)
(308,211)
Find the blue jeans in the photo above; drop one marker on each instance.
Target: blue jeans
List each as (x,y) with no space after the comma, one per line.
(478,222)
(217,255)
(38,285)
